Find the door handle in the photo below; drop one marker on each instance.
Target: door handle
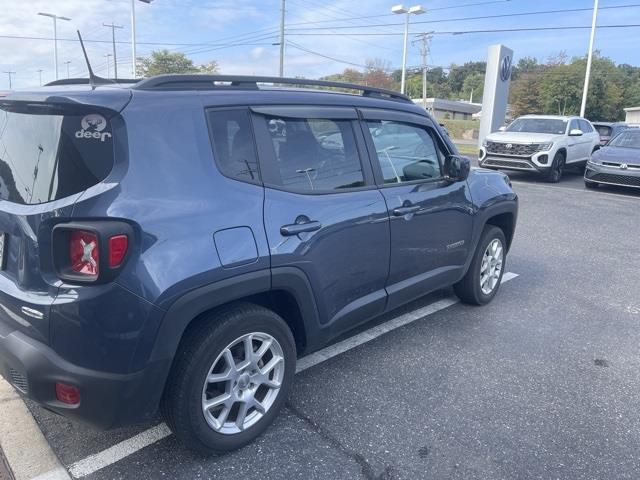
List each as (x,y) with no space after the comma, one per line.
(298,228)
(402,211)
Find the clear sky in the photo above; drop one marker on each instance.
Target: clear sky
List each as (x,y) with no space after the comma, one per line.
(240,34)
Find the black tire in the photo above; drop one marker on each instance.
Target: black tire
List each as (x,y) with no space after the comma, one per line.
(468,289)
(557,168)
(202,344)
(591,185)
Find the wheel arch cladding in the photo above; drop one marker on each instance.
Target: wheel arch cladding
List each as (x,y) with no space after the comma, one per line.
(506,222)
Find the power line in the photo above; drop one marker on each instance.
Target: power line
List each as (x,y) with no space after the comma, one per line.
(460,19)
(464,32)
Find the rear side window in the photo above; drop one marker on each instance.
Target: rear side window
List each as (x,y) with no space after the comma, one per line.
(233,144)
(47,157)
(315,153)
(585,126)
(604,130)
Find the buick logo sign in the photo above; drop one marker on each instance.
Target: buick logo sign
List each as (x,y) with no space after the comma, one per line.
(505,68)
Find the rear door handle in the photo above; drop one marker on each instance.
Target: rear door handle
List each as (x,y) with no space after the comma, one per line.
(402,211)
(297,228)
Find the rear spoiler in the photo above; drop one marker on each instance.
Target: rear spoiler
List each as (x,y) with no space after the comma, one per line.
(114,99)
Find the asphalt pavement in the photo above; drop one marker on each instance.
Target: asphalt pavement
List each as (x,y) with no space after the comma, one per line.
(541,383)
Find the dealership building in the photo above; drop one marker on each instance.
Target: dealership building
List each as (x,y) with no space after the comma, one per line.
(442,109)
(633,116)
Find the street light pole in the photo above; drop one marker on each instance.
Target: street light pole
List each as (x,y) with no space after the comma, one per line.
(55,37)
(585,91)
(415,10)
(133,36)
(67,64)
(40,75)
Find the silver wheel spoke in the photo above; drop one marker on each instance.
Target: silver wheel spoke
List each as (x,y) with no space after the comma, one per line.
(271,365)
(222,417)
(217,401)
(264,348)
(242,414)
(220,377)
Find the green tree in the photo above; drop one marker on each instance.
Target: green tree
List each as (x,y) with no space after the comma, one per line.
(473,85)
(524,95)
(164,61)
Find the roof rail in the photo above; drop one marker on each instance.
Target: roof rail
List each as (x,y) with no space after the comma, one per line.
(87,81)
(242,82)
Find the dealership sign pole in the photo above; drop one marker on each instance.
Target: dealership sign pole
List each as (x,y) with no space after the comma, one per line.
(496,90)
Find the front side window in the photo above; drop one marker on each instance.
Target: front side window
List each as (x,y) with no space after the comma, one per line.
(574,125)
(233,145)
(315,154)
(49,154)
(538,125)
(406,152)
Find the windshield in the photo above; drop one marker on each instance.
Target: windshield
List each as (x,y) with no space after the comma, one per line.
(538,125)
(45,157)
(626,139)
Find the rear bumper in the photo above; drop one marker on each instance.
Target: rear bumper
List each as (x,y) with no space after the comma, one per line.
(107,400)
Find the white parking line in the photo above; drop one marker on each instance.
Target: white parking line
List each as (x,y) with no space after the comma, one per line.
(113,454)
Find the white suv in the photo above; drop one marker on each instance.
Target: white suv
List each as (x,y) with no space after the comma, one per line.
(540,143)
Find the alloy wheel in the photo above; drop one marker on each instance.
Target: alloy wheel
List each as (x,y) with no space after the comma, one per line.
(243,383)
(491,266)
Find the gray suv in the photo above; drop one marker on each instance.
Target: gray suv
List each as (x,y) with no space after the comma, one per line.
(176,243)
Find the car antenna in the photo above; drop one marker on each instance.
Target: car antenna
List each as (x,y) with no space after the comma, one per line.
(94,80)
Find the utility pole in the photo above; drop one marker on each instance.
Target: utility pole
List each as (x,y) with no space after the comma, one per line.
(583,107)
(67,64)
(10,73)
(108,56)
(425,49)
(40,74)
(113,27)
(282,12)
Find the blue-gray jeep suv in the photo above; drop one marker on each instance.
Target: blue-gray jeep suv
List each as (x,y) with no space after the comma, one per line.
(175,243)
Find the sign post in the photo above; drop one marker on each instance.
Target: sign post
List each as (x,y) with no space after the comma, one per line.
(496,89)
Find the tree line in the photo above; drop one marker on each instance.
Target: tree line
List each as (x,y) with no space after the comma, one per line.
(550,87)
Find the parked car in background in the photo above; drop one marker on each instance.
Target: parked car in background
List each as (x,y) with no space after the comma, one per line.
(183,241)
(608,130)
(542,144)
(617,163)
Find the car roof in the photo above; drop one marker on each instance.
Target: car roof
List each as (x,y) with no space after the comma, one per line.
(220,87)
(550,117)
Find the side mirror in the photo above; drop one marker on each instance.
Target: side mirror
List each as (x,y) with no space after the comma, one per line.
(576,132)
(502,129)
(456,168)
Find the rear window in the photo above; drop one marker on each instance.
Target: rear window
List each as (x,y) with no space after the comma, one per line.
(603,130)
(45,157)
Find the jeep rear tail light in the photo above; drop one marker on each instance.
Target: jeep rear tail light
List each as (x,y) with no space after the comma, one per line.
(92,251)
(84,253)
(118,245)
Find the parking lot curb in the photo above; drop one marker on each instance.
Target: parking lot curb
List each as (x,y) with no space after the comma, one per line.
(25,449)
